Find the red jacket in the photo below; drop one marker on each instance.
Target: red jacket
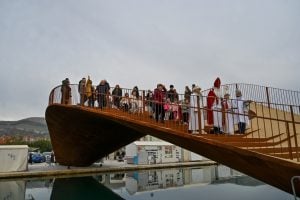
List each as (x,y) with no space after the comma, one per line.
(159,96)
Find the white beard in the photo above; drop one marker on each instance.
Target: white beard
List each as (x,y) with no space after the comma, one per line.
(218,92)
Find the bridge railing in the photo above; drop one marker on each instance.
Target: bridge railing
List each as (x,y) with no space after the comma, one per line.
(272,128)
(257,93)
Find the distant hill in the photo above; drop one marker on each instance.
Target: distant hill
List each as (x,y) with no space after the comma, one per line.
(28,126)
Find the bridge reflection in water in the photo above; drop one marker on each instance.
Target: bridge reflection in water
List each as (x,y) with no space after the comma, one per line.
(208,182)
(268,151)
(81,188)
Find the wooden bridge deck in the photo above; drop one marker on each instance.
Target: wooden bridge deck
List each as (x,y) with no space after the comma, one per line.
(80,135)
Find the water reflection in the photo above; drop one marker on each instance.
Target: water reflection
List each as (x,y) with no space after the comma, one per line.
(211,182)
(12,190)
(81,188)
(170,178)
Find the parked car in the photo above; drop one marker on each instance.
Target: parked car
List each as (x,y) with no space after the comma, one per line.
(38,158)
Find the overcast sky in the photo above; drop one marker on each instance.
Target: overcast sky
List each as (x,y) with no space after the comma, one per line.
(143,42)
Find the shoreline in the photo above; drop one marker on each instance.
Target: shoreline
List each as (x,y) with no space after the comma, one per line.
(48,171)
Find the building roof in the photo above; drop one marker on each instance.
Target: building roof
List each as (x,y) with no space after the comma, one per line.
(13,147)
(152,143)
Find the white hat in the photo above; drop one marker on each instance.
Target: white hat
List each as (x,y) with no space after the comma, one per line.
(197,89)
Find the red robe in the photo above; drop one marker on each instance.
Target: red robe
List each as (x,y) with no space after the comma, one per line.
(211,97)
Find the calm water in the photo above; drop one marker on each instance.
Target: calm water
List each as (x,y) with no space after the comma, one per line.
(209,183)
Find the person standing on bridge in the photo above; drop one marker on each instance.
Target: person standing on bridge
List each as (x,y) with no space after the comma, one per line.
(125,102)
(159,100)
(117,96)
(168,109)
(135,92)
(195,104)
(93,97)
(102,91)
(187,93)
(107,92)
(66,92)
(89,92)
(81,90)
(185,109)
(227,116)
(172,95)
(149,103)
(213,99)
(241,116)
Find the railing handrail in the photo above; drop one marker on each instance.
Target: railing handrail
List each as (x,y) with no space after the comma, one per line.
(204,96)
(250,84)
(203,107)
(268,94)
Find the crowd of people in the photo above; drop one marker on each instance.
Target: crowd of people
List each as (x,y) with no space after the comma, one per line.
(220,113)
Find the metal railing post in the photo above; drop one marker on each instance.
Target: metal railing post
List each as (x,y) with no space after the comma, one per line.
(295,132)
(268,97)
(199,114)
(51,98)
(269,108)
(289,140)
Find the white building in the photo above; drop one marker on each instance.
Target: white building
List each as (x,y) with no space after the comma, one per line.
(152,152)
(13,158)
(157,151)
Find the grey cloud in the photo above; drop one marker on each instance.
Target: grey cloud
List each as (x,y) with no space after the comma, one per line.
(142,43)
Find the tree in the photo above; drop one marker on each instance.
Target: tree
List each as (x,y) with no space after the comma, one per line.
(43,145)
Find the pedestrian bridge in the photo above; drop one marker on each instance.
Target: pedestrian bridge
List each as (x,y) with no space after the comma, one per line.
(268,151)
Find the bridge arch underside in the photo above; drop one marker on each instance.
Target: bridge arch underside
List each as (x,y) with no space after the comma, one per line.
(81,136)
